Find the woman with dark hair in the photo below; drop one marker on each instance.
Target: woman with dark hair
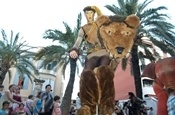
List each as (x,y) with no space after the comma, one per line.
(8,96)
(16,96)
(56,106)
(38,104)
(20,110)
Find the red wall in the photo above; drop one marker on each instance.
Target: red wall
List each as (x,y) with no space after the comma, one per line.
(124,83)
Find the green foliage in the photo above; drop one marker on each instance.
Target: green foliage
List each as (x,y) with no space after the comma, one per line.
(59,54)
(14,52)
(153,24)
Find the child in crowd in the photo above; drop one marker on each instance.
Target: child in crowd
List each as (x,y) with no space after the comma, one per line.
(118,108)
(72,111)
(56,106)
(5,107)
(20,110)
(151,111)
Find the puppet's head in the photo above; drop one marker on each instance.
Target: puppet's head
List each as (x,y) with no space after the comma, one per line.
(90,11)
(117,34)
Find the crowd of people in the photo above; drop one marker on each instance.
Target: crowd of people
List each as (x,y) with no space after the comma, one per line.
(12,103)
(134,106)
(44,103)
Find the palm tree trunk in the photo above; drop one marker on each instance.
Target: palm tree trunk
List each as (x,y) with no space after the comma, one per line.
(3,71)
(136,71)
(66,103)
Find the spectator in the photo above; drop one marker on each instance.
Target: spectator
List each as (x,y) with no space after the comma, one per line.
(72,110)
(5,107)
(134,104)
(144,108)
(29,104)
(20,110)
(125,108)
(118,108)
(150,112)
(47,101)
(8,96)
(171,101)
(1,90)
(16,96)
(78,102)
(56,106)
(38,104)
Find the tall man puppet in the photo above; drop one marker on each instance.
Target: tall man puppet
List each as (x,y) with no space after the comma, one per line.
(106,37)
(96,56)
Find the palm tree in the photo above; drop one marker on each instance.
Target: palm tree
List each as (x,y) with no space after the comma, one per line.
(153,25)
(15,54)
(59,55)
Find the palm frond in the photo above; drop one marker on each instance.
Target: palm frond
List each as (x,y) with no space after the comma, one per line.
(13,53)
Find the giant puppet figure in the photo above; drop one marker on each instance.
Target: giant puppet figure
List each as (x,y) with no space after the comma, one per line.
(108,39)
(163,73)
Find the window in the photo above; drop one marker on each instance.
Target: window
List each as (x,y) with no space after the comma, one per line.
(21,82)
(147,83)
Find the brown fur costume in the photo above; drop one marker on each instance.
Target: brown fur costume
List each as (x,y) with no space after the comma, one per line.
(97,91)
(97,87)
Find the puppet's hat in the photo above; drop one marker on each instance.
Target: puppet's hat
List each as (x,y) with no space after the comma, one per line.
(98,11)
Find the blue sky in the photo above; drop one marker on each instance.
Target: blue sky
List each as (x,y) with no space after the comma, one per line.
(32,17)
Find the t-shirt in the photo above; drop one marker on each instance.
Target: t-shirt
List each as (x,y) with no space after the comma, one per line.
(48,100)
(3,112)
(38,106)
(20,111)
(56,109)
(29,104)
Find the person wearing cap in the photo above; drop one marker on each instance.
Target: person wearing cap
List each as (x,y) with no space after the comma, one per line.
(93,47)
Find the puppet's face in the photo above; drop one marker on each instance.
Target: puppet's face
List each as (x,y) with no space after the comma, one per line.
(89,16)
(118,37)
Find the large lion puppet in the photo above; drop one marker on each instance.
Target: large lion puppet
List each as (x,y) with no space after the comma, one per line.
(116,37)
